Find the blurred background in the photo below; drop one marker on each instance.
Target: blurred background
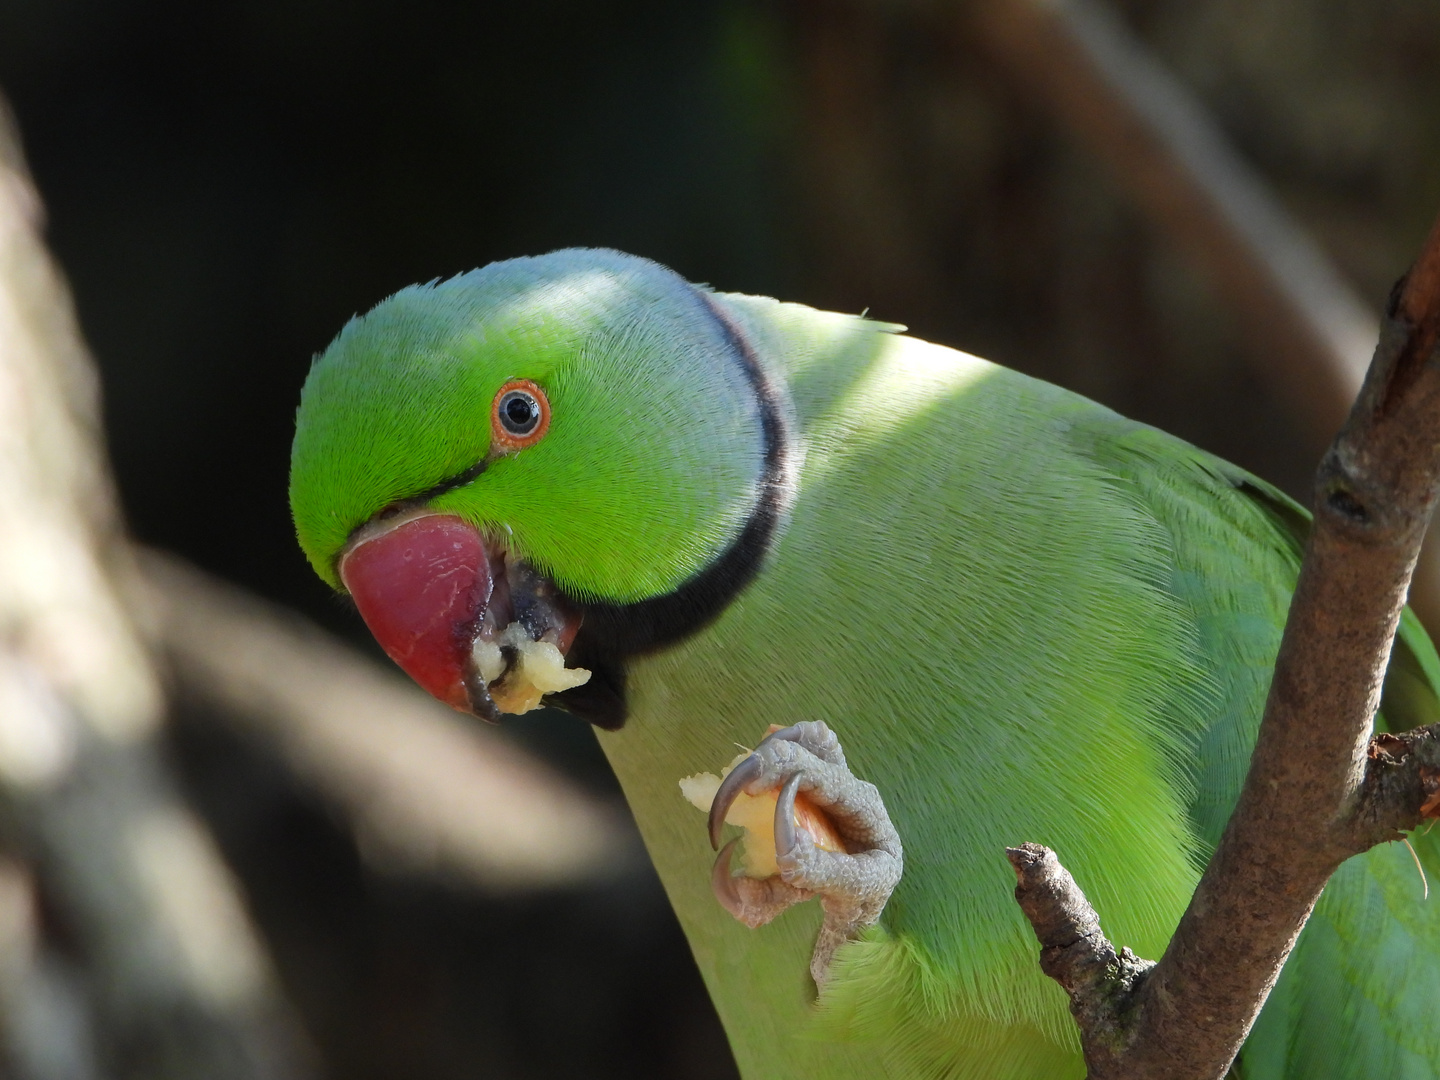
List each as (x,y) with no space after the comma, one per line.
(225,184)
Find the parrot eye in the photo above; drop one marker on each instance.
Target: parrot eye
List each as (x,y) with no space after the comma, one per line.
(520,416)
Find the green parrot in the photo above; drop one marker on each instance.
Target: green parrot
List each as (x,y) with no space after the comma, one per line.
(981,609)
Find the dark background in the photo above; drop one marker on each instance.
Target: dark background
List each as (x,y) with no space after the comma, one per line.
(226,183)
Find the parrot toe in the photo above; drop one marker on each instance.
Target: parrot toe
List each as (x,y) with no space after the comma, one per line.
(853,870)
(752,901)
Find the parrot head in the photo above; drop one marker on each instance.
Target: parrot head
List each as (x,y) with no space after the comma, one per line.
(548,461)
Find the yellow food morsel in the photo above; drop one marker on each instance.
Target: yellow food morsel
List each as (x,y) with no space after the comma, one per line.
(756,815)
(539,669)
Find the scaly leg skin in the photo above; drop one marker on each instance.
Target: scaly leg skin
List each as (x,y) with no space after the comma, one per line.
(853,885)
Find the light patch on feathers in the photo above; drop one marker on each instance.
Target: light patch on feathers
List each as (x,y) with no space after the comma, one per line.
(825,333)
(904,380)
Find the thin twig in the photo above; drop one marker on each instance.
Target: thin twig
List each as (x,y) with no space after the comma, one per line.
(1074,951)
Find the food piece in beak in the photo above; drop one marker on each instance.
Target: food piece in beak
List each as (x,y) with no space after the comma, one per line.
(422,587)
(538,668)
(477,628)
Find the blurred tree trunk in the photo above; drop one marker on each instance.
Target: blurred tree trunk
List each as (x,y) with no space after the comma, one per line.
(124,947)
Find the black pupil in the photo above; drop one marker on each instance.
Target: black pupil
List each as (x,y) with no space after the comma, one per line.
(519,413)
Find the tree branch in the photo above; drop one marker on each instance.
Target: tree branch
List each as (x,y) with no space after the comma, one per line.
(1074,951)
(176,981)
(1320,789)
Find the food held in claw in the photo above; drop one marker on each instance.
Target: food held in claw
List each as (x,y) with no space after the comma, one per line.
(756,815)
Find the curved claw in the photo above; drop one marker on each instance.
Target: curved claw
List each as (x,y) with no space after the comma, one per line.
(789,734)
(785,816)
(722,883)
(748,770)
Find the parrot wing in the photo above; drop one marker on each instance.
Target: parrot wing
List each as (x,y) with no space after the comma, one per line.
(1360,993)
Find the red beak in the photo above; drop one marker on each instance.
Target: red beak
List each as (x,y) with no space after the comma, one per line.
(422,588)
(429,588)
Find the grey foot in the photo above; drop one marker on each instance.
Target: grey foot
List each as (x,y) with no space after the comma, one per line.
(853,885)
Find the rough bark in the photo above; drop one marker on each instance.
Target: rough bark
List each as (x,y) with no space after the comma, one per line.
(1074,951)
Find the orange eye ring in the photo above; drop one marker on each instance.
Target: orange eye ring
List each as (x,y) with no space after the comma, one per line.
(519,416)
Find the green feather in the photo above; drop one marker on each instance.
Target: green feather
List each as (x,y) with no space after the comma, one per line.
(1026,617)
